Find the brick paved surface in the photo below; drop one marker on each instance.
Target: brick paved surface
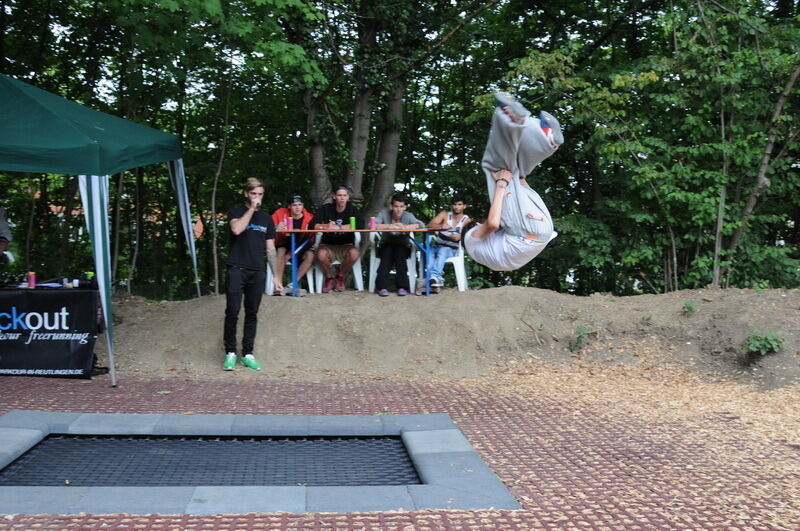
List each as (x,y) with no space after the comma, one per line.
(571,466)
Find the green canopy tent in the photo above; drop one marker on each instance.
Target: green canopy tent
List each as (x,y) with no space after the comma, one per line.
(44,133)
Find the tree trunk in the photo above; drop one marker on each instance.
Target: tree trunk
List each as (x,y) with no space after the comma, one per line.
(31,218)
(717,270)
(70,191)
(115,213)
(220,162)
(139,229)
(3,26)
(762,181)
(359,142)
(389,148)
(320,180)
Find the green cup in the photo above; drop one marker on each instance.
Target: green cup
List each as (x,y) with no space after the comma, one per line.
(353,223)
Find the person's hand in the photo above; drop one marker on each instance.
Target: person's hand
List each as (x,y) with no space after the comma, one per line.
(456,237)
(278,284)
(282,224)
(255,205)
(502,174)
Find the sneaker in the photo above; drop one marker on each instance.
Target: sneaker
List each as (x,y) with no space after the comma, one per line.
(383,292)
(230,361)
(513,108)
(437,282)
(249,361)
(402,292)
(551,129)
(339,284)
(327,286)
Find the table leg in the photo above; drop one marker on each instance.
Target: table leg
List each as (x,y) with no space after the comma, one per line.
(427,263)
(294,265)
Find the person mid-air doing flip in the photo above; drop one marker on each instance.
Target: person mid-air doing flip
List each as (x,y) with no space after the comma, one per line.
(519,225)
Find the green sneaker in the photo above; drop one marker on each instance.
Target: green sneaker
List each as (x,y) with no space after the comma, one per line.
(249,361)
(230,361)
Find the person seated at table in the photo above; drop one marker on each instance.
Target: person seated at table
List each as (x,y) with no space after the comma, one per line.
(519,225)
(300,217)
(445,244)
(394,248)
(337,246)
(5,238)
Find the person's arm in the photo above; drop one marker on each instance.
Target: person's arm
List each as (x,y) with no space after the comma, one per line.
(492,223)
(272,260)
(439,222)
(238,225)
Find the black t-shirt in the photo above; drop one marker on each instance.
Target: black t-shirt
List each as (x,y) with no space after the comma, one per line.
(249,247)
(327,213)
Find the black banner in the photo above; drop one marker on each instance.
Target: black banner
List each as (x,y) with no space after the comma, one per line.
(48,332)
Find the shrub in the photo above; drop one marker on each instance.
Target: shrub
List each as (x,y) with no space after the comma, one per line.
(761,344)
(689,307)
(580,339)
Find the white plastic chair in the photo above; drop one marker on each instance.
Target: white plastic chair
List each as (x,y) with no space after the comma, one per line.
(269,288)
(459,268)
(375,261)
(358,276)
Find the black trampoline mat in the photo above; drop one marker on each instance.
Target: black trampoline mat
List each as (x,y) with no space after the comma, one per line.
(99,460)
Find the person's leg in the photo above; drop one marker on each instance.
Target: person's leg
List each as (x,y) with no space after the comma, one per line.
(518,148)
(382,277)
(351,254)
(254,289)
(280,262)
(305,265)
(234,284)
(401,254)
(439,254)
(323,257)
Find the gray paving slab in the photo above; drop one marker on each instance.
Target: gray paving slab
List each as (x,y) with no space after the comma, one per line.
(16,441)
(50,421)
(115,424)
(358,499)
(365,425)
(436,441)
(40,500)
(266,425)
(194,425)
(136,500)
(242,500)
(462,470)
(395,424)
(439,497)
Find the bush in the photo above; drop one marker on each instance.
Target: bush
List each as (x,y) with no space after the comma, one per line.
(761,344)
(689,307)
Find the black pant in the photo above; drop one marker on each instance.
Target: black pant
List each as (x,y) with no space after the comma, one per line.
(393,255)
(250,283)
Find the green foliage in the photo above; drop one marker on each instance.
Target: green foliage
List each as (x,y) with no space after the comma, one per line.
(580,339)
(635,190)
(759,343)
(689,307)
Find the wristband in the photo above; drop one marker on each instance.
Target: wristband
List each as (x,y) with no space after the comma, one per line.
(502,179)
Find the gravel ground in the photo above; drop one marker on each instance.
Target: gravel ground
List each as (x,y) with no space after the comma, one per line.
(581,447)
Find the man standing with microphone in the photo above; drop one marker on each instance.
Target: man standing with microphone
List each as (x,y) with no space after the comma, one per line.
(252,234)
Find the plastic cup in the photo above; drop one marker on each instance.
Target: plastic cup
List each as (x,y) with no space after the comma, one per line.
(353,222)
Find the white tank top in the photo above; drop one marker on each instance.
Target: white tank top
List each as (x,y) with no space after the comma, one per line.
(502,252)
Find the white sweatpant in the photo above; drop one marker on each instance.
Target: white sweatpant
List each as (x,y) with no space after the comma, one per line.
(518,148)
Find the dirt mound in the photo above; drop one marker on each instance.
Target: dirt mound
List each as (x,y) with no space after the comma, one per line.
(460,335)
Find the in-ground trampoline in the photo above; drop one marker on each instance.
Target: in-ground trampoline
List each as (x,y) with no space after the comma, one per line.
(65,463)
